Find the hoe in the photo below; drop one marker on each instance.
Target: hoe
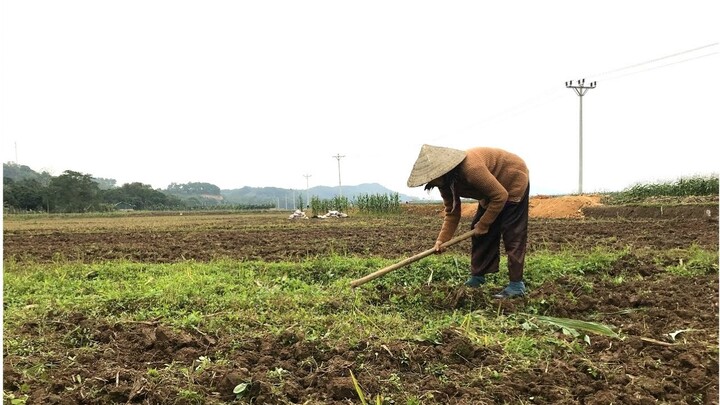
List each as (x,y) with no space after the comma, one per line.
(407,261)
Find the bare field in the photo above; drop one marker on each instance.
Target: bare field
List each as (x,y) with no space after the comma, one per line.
(636,294)
(272,237)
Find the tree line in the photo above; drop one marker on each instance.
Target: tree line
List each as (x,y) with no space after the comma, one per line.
(77,192)
(25,190)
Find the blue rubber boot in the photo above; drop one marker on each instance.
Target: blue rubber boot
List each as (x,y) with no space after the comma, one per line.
(513,290)
(475,281)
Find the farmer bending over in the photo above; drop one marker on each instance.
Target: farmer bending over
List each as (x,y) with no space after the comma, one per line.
(499,180)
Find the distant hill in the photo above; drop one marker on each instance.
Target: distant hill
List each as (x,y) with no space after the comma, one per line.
(256,195)
(17,172)
(209,194)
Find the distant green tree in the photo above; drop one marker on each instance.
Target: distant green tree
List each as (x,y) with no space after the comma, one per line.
(8,196)
(73,192)
(26,194)
(30,194)
(105,184)
(141,197)
(193,202)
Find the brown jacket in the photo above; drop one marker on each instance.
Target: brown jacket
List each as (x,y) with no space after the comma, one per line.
(490,175)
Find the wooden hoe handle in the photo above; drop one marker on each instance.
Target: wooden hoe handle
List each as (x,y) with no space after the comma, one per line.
(407,261)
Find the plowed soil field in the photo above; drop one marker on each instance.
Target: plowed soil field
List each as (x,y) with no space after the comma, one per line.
(165,237)
(647,367)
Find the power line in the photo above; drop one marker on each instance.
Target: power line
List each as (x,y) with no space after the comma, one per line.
(661,66)
(653,60)
(517,109)
(552,93)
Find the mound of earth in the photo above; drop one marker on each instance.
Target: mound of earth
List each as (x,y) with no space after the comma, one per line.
(590,206)
(569,206)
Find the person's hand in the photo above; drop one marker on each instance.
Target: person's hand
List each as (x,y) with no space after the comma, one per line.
(439,248)
(478,231)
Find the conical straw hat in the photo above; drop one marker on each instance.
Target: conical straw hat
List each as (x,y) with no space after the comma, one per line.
(433,162)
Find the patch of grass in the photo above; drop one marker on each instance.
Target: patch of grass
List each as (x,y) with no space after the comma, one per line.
(685,186)
(546,266)
(446,268)
(692,262)
(238,296)
(311,298)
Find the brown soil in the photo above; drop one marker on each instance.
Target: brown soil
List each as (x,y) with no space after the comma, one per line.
(540,206)
(647,367)
(272,237)
(562,207)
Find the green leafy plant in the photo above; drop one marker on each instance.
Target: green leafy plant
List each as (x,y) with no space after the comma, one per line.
(12,399)
(571,326)
(241,389)
(359,390)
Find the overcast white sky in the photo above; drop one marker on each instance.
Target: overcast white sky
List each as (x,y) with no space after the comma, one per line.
(240,93)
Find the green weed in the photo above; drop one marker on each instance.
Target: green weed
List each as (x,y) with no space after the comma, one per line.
(684,186)
(693,262)
(312,299)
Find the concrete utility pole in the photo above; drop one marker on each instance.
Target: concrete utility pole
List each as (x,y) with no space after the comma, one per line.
(307,187)
(338,157)
(580,89)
